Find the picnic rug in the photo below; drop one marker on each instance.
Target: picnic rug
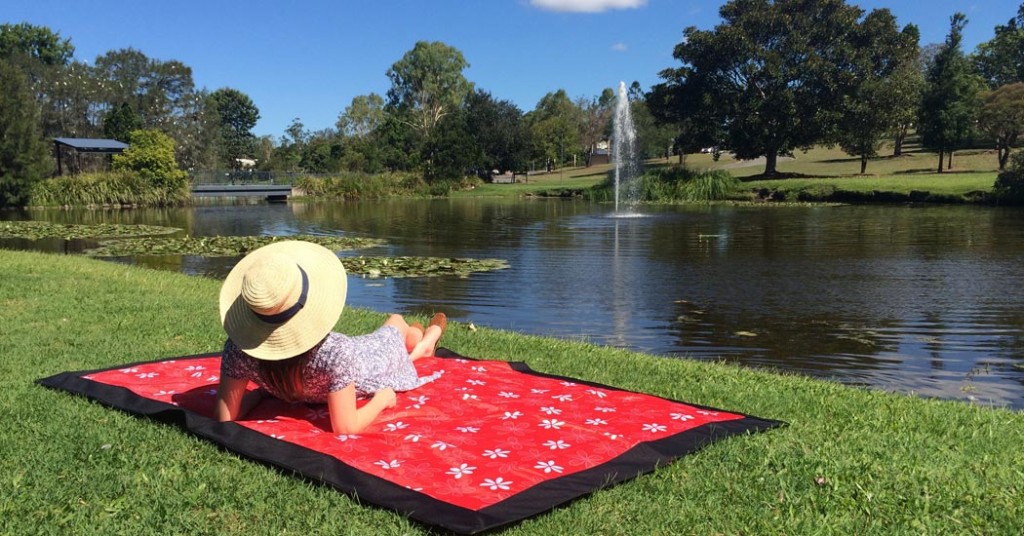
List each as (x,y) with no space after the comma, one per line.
(486,444)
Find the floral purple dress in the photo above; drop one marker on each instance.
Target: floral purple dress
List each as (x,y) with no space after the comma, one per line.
(372,362)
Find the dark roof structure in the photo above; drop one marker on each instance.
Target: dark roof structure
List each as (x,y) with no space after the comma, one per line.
(87,145)
(92,145)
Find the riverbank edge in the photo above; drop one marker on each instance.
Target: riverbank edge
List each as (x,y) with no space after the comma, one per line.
(851,460)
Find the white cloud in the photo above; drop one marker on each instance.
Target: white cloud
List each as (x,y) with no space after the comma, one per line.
(620,47)
(586,6)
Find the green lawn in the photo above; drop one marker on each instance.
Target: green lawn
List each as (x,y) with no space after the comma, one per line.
(852,461)
(821,170)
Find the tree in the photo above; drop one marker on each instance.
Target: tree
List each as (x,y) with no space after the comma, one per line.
(904,87)
(362,116)
(447,153)
(871,106)
(237,116)
(23,156)
(1002,118)
(64,91)
(358,125)
(949,103)
(771,76)
(427,84)
(498,132)
(596,116)
(554,128)
(120,121)
(150,154)
(1001,59)
(654,140)
(38,44)
(158,91)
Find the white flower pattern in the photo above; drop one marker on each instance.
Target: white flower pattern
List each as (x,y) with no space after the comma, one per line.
(504,432)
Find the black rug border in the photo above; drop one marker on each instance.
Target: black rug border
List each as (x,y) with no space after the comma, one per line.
(548,495)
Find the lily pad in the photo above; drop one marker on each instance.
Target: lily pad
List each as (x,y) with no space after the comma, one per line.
(218,246)
(36,230)
(419,266)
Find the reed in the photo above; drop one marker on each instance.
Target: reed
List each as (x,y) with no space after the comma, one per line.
(107,189)
(376,186)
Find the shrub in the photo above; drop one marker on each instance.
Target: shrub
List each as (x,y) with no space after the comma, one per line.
(672,185)
(367,186)
(710,186)
(1009,186)
(150,154)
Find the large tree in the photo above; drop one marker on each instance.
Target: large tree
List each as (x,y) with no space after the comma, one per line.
(554,127)
(38,44)
(159,91)
(1002,118)
(872,106)
(23,157)
(772,75)
(120,121)
(427,84)
(362,116)
(237,116)
(499,133)
(1001,59)
(596,115)
(950,102)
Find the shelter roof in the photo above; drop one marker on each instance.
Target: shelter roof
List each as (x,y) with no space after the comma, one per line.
(92,145)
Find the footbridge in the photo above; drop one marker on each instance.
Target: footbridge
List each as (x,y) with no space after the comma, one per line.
(273,187)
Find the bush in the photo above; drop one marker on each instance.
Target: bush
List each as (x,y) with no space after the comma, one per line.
(364,185)
(672,185)
(1009,186)
(150,155)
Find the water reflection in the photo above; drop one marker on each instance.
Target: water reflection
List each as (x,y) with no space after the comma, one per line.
(910,299)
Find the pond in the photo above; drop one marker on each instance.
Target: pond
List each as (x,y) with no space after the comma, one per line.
(923,299)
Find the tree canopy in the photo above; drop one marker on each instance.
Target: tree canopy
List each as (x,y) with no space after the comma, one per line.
(23,156)
(427,84)
(949,104)
(773,74)
(237,115)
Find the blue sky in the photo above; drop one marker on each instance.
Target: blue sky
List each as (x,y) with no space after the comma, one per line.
(308,59)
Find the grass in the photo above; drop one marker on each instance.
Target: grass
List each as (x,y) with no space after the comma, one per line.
(567,179)
(819,173)
(852,461)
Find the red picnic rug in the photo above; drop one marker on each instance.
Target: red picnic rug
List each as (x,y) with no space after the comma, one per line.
(487,444)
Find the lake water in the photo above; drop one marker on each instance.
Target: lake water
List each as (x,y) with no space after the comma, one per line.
(912,299)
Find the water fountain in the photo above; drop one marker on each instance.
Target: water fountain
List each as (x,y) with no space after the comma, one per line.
(624,152)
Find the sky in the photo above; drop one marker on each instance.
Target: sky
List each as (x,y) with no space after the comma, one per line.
(308,59)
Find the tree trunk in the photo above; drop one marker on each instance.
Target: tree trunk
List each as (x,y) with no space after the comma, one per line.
(770,161)
(897,149)
(942,153)
(863,163)
(949,161)
(1004,156)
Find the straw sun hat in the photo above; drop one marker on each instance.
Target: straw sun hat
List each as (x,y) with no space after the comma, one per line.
(282,299)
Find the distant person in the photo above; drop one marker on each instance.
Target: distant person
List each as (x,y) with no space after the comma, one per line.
(278,306)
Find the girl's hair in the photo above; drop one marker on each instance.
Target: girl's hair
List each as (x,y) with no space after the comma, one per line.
(284,377)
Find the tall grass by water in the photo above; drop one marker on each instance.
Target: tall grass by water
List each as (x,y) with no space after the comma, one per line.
(107,189)
(377,186)
(851,461)
(673,184)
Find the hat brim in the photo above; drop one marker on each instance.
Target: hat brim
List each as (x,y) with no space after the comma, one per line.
(328,286)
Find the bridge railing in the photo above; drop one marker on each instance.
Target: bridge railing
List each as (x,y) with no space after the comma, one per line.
(244,177)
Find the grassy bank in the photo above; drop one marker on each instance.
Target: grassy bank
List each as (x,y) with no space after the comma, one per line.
(822,174)
(852,461)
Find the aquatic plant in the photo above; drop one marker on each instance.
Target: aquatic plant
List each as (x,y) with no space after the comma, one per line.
(36,230)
